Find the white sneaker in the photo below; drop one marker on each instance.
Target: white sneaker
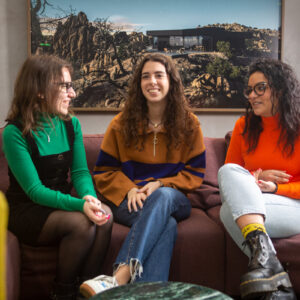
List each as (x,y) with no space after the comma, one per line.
(97,285)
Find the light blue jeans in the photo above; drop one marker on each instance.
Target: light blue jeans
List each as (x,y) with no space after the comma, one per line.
(149,244)
(240,195)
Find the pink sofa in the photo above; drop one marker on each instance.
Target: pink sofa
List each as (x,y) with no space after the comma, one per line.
(204,253)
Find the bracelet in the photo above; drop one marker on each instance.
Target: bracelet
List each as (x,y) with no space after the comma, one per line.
(275,191)
(160,183)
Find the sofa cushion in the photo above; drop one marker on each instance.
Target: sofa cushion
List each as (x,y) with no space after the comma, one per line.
(199,246)
(12,267)
(215,157)
(205,197)
(38,267)
(288,250)
(198,255)
(208,194)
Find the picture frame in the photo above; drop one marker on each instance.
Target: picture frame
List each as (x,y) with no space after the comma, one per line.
(104,42)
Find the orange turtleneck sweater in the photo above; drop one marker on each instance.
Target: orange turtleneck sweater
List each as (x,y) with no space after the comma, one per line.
(267,155)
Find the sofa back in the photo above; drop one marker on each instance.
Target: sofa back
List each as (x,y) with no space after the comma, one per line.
(92,143)
(215,156)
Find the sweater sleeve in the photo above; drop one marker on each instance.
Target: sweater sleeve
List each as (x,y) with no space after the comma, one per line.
(18,157)
(110,181)
(192,174)
(291,190)
(234,152)
(80,174)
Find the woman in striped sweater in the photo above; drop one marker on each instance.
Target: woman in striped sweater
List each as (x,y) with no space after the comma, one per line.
(151,156)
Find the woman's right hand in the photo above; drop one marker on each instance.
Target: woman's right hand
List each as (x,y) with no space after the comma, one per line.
(276,176)
(134,198)
(93,212)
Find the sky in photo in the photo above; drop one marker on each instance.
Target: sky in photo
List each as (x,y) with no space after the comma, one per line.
(142,15)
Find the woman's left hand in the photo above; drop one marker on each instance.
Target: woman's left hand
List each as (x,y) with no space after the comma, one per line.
(92,199)
(267,186)
(150,187)
(92,208)
(277,176)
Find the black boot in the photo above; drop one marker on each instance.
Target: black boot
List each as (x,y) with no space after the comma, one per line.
(266,273)
(62,291)
(280,294)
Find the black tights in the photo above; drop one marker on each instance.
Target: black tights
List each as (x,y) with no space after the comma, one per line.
(82,244)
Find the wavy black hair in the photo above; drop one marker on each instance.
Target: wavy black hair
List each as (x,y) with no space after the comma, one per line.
(285,88)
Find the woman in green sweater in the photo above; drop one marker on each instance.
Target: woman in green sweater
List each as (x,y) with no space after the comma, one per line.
(42,143)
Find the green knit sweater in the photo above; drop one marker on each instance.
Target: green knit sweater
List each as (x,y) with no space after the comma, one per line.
(50,140)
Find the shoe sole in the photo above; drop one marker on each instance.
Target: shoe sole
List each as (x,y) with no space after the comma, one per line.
(86,291)
(252,288)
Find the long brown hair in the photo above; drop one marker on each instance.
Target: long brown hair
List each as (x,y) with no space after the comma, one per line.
(36,91)
(176,120)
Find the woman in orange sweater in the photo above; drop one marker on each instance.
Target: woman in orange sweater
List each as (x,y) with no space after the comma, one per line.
(260,181)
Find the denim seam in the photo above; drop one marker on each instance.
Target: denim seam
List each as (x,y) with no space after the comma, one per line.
(134,264)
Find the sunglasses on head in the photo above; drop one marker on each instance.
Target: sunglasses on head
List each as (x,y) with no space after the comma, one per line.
(259,89)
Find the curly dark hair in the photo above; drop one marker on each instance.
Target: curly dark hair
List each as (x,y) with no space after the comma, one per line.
(286,88)
(36,91)
(176,120)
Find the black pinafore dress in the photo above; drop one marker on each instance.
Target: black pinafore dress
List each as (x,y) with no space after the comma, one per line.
(26,218)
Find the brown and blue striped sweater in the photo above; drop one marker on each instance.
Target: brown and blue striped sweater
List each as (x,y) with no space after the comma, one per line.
(120,168)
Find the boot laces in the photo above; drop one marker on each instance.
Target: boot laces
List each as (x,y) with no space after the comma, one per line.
(258,248)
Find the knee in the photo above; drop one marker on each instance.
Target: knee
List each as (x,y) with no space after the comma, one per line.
(82,226)
(227,169)
(172,201)
(229,173)
(108,225)
(230,169)
(167,194)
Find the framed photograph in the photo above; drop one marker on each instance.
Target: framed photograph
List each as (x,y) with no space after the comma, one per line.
(211,43)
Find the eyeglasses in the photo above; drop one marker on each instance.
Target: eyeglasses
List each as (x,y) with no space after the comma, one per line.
(65,86)
(259,89)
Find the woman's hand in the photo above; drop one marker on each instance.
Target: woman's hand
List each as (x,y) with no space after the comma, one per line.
(277,176)
(92,209)
(267,186)
(134,198)
(90,198)
(150,187)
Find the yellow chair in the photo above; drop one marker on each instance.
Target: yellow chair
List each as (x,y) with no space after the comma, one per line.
(3,229)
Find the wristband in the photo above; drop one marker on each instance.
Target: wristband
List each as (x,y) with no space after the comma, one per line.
(160,183)
(276,189)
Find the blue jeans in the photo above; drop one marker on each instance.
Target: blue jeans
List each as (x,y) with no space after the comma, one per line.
(241,195)
(149,244)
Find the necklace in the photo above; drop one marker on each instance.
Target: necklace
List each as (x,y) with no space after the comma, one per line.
(155,138)
(155,125)
(48,135)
